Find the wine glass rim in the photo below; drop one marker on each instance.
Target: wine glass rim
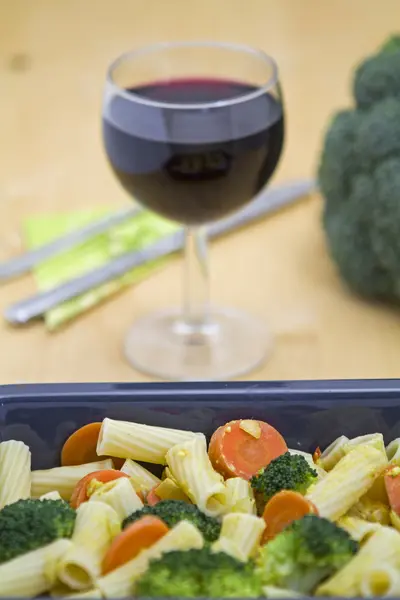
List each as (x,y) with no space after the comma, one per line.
(150,48)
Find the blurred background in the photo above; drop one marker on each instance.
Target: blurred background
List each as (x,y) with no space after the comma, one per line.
(53,59)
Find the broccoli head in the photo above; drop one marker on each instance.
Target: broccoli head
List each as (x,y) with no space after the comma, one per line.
(378,77)
(286,472)
(359,178)
(30,524)
(173,511)
(199,573)
(306,552)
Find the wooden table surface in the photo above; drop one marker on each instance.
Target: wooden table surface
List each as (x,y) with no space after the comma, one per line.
(53,56)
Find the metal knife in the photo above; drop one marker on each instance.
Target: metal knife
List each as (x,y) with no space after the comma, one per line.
(35,306)
(25,262)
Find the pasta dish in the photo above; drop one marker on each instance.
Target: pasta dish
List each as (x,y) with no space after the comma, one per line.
(145,511)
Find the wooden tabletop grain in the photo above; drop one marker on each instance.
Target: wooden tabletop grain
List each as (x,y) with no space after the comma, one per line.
(53,56)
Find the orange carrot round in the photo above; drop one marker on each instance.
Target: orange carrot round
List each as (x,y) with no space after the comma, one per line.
(392,485)
(79,495)
(152,498)
(141,534)
(284,508)
(234,452)
(80,447)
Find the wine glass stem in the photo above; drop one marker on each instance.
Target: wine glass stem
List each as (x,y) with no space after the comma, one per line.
(195,285)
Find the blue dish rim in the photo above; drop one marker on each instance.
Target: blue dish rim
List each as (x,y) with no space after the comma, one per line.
(224,390)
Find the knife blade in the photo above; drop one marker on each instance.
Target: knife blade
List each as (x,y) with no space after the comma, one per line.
(34,307)
(25,262)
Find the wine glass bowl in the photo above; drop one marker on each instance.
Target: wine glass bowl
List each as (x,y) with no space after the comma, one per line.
(194,131)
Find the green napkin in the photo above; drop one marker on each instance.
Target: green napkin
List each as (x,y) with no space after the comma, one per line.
(133,234)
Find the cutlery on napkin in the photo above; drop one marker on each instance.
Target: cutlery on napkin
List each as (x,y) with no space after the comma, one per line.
(76,280)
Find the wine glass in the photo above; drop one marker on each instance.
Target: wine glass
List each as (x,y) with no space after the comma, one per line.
(193,131)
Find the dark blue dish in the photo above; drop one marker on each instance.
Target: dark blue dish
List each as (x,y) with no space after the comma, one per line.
(307,413)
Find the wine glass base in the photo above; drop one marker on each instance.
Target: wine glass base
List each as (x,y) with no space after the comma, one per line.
(231,344)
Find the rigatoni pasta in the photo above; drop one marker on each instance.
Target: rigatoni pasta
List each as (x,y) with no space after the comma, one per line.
(33,573)
(240,535)
(381,580)
(96,526)
(393,452)
(371,510)
(168,489)
(143,480)
(359,529)
(344,485)
(64,479)
(92,594)
(60,590)
(382,546)
(120,495)
(139,442)
(371,439)
(333,453)
(239,496)
(15,472)
(192,469)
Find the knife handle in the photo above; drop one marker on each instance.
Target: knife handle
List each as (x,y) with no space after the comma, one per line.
(35,306)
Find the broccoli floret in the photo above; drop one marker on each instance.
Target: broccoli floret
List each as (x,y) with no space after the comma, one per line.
(306,552)
(197,573)
(349,241)
(286,472)
(392,44)
(30,524)
(173,511)
(335,176)
(377,78)
(359,178)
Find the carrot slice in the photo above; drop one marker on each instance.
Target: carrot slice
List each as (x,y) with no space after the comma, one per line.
(79,495)
(152,498)
(392,485)
(141,534)
(241,448)
(80,447)
(284,508)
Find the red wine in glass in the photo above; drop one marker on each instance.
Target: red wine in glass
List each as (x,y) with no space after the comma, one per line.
(193,131)
(193,167)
